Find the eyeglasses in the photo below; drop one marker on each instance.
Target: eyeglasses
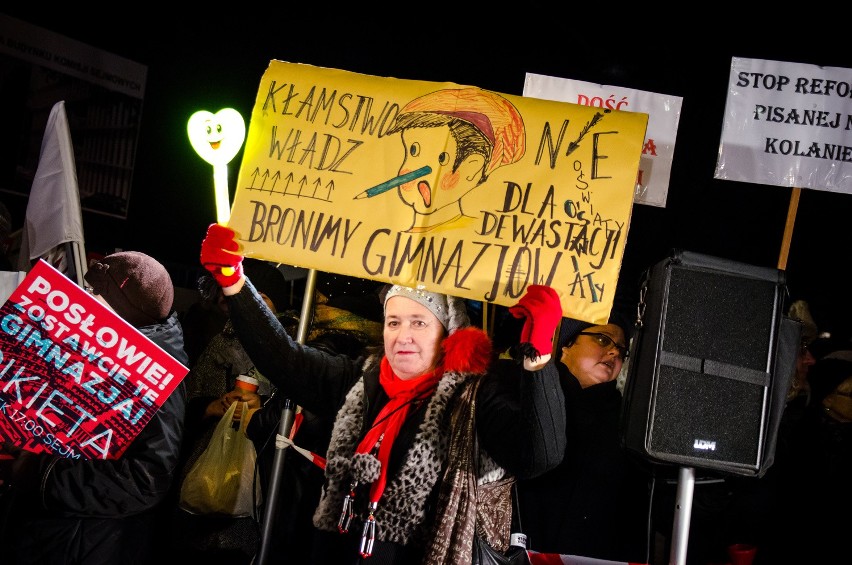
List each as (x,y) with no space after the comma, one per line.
(607,342)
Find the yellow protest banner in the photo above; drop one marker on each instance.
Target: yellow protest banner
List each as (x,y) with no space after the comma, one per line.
(452,188)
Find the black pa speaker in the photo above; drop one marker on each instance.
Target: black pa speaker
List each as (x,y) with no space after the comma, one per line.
(710,365)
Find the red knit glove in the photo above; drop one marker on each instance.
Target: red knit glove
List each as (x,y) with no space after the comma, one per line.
(543,311)
(218,255)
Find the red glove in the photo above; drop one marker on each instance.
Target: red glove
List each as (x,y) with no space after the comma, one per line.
(218,255)
(543,311)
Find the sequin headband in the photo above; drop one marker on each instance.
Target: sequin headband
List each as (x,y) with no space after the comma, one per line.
(449,310)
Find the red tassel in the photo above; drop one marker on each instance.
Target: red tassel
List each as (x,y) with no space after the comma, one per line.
(467,350)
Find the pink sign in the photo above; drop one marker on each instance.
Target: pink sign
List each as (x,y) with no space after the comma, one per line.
(76,380)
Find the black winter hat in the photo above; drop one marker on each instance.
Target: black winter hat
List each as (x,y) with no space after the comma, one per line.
(135,285)
(267,279)
(570,328)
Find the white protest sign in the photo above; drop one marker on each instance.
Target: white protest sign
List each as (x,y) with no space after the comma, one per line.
(655,164)
(787,124)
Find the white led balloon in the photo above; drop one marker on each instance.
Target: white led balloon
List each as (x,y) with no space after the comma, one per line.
(217,138)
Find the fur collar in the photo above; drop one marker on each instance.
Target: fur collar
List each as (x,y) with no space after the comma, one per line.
(403,512)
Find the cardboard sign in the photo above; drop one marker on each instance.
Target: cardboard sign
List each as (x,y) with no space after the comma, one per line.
(450,188)
(76,380)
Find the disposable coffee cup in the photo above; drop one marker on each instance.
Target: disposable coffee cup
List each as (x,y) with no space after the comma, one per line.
(742,553)
(247,383)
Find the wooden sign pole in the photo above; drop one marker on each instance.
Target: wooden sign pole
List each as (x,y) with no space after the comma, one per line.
(788,228)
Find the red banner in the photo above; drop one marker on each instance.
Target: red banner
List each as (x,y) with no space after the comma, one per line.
(75,378)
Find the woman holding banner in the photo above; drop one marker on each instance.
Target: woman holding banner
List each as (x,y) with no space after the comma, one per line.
(393,491)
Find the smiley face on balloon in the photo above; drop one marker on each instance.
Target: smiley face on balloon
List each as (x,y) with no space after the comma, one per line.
(217,137)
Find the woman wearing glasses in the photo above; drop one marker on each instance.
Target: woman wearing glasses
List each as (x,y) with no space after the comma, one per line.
(595,502)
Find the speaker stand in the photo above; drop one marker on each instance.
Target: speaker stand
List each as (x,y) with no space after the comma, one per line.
(682,514)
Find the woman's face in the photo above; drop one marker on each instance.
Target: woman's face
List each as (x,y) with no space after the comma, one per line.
(589,361)
(412,336)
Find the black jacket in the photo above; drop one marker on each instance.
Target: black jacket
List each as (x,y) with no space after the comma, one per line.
(594,504)
(519,428)
(101,511)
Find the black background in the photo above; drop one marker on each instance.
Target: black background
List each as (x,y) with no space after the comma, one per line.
(208,61)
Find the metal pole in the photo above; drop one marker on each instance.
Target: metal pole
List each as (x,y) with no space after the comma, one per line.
(682,515)
(288,415)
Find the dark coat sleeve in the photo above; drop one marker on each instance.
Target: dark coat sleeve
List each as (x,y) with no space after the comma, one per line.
(310,377)
(138,480)
(520,418)
(135,482)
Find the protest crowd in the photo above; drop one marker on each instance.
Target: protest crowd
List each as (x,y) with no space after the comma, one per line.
(326,418)
(547,429)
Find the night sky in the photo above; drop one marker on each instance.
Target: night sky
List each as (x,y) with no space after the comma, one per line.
(215,62)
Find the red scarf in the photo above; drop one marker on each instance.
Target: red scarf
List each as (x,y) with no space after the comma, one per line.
(402,395)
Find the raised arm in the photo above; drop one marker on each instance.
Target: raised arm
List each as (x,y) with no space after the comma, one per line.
(310,377)
(520,405)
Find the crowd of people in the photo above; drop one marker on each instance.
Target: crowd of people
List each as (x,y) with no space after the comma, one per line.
(414,413)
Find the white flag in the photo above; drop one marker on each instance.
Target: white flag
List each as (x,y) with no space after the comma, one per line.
(53,210)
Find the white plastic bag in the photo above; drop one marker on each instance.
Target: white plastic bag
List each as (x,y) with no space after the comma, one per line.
(222,480)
